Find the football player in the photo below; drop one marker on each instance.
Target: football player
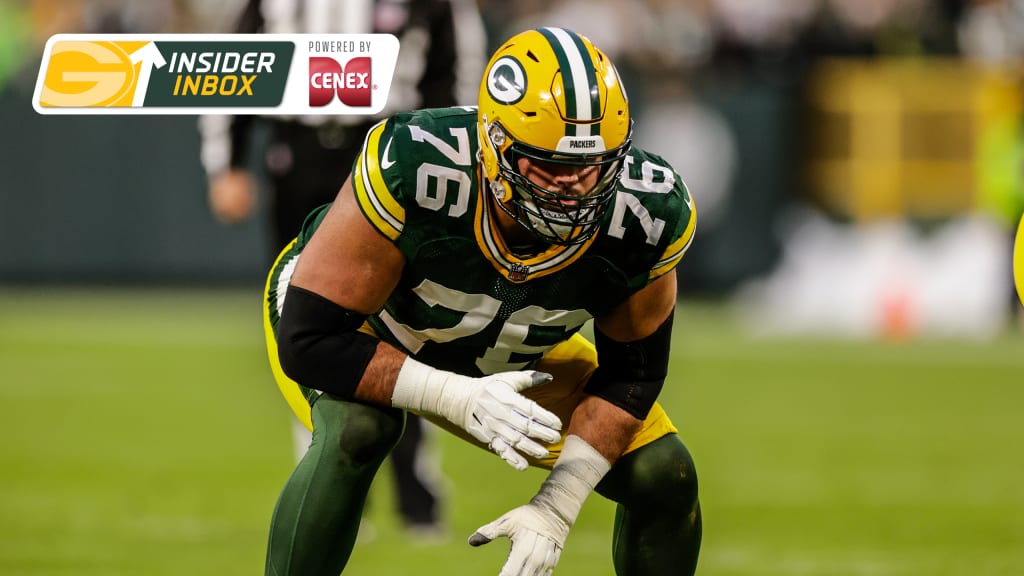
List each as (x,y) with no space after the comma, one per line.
(450,279)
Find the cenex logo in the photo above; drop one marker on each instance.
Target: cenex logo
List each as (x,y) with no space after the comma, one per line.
(353,83)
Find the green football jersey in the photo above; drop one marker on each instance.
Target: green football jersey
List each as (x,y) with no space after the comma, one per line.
(465,302)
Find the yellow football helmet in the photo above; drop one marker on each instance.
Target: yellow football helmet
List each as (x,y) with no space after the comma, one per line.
(549,95)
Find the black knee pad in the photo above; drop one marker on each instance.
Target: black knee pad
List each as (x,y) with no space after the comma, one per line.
(359,433)
(660,474)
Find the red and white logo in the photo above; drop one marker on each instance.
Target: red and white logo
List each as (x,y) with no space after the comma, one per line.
(353,84)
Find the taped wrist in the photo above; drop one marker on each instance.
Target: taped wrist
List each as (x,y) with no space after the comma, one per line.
(426,390)
(319,345)
(573,477)
(630,375)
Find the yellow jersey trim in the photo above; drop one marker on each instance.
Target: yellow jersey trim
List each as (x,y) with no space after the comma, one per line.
(289,388)
(373,195)
(675,251)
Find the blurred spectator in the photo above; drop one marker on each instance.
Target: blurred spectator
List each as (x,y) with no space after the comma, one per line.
(885,27)
(762,27)
(993,31)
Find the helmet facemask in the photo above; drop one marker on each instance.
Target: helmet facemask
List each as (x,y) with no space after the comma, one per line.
(555,218)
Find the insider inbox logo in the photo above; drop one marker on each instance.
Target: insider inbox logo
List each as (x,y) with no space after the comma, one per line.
(216,74)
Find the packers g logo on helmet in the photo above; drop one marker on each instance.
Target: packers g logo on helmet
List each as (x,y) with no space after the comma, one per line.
(550,96)
(506,80)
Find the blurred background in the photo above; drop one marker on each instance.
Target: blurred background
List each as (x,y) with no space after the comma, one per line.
(848,355)
(885,132)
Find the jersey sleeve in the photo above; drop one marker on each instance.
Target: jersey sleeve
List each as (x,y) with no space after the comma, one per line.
(376,181)
(654,216)
(682,237)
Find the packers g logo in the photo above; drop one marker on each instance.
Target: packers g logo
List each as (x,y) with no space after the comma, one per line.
(506,80)
(91,74)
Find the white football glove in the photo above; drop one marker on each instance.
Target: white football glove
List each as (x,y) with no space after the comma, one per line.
(538,529)
(491,408)
(537,536)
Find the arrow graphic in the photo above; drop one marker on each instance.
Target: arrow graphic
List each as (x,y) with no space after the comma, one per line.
(150,56)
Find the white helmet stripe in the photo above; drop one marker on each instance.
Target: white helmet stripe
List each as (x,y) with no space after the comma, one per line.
(578,75)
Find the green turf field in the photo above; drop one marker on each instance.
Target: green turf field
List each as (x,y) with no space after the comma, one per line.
(141,434)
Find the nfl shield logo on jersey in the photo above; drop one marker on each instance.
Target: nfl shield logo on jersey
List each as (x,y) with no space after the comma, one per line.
(518,272)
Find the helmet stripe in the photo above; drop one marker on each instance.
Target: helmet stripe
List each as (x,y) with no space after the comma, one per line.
(593,91)
(578,78)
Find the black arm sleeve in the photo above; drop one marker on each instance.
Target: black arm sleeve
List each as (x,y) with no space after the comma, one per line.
(630,375)
(319,345)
